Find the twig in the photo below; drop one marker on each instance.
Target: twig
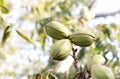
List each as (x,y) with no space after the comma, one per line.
(38,76)
(89,75)
(102,14)
(75,59)
(79,73)
(107,14)
(75,63)
(92,4)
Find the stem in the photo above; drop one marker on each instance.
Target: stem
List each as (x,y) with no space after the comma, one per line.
(92,4)
(79,73)
(89,75)
(75,59)
(38,76)
(75,63)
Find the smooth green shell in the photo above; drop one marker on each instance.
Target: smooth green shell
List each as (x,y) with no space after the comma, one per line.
(61,49)
(82,39)
(95,60)
(101,72)
(57,30)
(98,59)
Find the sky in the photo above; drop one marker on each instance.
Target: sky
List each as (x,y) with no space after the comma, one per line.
(103,6)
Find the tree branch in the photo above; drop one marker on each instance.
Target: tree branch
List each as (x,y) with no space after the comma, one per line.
(107,14)
(92,5)
(102,14)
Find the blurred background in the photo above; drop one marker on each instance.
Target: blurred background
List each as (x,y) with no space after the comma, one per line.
(25,55)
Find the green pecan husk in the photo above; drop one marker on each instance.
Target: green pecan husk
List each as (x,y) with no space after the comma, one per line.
(82,38)
(61,49)
(57,30)
(101,72)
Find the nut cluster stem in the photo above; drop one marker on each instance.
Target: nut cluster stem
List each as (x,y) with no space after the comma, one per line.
(75,59)
(79,73)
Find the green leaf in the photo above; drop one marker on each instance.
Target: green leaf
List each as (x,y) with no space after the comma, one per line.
(45,21)
(4,10)
(41,23)
(42,39)
(1,20)
(6,34)
(114,26)
(81,53)
(2,3)
(3,7)
(2,56)
(52,76)
(87,14)
(116,63)
(112,48)
(24,37)
(99,45)
(118,36)
(104,29)
(48,75)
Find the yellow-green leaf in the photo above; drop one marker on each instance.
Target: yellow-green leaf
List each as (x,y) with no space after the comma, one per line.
(52,76)
(2,3)
(1,20)
(4,9)
(24,37)
(6,34)
(48,75)
(42,39)
(2,56)
(118,36)
(114,26)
